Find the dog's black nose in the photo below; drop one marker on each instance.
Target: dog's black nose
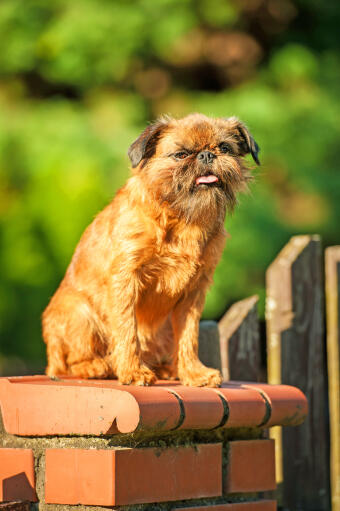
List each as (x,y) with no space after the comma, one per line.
(206,156)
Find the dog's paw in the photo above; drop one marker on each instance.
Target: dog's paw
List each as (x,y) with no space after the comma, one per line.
(140,376)
(205,377)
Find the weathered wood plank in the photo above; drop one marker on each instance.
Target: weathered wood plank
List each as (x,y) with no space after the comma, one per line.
(332,268)
(209,344)
(240,341)
(296,356)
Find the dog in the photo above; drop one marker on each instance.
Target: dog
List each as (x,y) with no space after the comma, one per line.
(130,303)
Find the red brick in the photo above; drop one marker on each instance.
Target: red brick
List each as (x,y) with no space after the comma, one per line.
(247,408)
(289,406)
(132,476)
(251,466)
(17,475)
(37,405)
(203,407)
(91,407)
(260,505)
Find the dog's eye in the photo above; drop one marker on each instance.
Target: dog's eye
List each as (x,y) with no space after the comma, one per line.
(180,155)
(225,148)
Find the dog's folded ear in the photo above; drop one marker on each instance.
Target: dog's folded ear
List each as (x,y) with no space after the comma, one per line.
(145,145)
(246,142)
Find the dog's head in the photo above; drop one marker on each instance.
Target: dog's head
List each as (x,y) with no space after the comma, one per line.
(195,164)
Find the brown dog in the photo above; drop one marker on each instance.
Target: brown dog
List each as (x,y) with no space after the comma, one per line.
(130,303)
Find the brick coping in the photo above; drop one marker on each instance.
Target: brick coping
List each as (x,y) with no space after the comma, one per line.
(41,406)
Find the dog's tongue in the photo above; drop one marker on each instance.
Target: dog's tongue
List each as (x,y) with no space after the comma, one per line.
(206,179)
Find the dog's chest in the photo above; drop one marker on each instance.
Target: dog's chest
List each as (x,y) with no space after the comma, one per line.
(175,266)
(171,272)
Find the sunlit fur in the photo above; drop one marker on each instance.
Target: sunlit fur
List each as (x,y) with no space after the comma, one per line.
(130,303)
(173,181)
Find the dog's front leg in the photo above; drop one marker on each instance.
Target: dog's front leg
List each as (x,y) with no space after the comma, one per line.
(185,321)
(124,344)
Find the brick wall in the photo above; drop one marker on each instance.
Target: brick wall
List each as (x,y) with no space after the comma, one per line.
(184,448)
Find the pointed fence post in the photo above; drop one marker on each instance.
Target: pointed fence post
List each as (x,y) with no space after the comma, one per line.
(332,267)
(209,344)
(296,356)
(240,341)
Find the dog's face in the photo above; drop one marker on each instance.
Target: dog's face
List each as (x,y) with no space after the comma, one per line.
(194,164)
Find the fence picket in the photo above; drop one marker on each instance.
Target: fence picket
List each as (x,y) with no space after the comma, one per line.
(209,344)
(240,341)
(296,356)
(332,269)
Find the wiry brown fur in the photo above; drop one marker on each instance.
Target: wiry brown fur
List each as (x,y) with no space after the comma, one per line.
(130,303)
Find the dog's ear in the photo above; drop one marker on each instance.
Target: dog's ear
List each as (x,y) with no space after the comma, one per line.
(145,145)
(246,142)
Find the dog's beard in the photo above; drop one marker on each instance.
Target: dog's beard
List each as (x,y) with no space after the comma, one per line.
(198,203)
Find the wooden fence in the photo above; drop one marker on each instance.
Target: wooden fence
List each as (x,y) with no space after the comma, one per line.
(302,347)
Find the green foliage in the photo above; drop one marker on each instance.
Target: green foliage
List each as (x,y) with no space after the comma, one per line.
(79,80)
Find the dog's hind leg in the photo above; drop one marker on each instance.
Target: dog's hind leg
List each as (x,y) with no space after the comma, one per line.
(87,352)
(98,367)
(56,357)
(74,337)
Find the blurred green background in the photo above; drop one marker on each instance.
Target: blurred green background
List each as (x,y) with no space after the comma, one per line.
(80,79)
